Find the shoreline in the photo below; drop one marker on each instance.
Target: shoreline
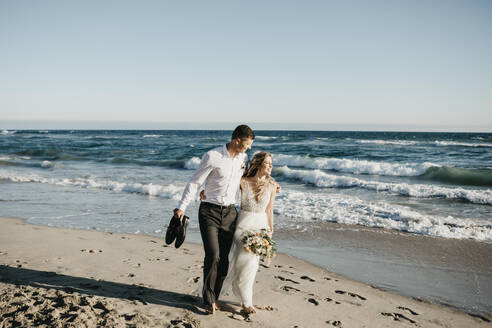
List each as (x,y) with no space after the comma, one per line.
(456,272)
(452,272)
(122,272)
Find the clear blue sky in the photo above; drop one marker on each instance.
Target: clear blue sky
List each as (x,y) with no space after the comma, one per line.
(349,63)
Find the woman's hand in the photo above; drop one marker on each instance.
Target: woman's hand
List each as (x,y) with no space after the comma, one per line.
(202,195)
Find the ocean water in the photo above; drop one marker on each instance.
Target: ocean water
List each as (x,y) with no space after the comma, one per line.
(428,184)
(436,184)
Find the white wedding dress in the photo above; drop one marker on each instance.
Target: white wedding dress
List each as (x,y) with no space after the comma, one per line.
(243,265)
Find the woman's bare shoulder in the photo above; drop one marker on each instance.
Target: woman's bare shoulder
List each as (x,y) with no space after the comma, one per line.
(244,180)
(274,185)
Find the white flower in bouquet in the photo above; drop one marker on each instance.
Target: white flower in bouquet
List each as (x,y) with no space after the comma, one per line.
(259,243)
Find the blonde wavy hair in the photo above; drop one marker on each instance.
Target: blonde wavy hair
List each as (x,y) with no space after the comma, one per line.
(254,166)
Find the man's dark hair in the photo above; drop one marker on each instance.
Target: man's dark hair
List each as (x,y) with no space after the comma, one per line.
(243,131)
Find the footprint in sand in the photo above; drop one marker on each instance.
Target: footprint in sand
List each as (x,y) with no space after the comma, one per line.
(397,316)
(91,251)
(342,292)
(308,278)
(157,259)
(195,280)
(266,308)
(236,316)
(407,309)
(287,279)
(331,300)
(186,322)
(334,323)
(129,317)
(313,301)
(290,288)
(357,296)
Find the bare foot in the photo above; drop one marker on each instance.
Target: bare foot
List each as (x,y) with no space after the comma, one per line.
(212,308)
(248,309)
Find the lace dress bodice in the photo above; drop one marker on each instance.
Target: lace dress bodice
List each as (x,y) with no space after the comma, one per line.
(248,200)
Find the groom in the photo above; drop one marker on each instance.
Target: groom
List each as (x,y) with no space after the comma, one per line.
(220,170)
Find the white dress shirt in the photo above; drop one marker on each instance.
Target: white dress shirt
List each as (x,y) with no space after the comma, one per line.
(221,173)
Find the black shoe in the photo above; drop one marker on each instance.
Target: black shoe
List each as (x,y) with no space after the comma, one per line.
(181,231)
(172,232)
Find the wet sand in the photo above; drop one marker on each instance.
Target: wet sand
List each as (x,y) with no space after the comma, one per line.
(456,272)
(56,277)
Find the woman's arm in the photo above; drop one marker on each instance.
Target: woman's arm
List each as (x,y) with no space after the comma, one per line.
(269,209)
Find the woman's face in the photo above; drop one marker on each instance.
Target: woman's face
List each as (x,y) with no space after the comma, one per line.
(266,166)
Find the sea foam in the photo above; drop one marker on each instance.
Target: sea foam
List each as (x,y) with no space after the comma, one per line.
(5,132)
(192,164)
(324,180)
(166,191)
(461,144)
(265,138)
(353,166)
(46,164)
(388,142)
(302,207)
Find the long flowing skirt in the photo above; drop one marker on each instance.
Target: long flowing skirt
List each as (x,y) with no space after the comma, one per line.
(243,265)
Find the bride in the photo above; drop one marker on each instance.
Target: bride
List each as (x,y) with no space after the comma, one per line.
(258,190)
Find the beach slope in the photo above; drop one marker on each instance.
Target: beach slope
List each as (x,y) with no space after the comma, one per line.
(55,277)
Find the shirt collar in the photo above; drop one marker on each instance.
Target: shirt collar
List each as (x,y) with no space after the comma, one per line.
(225,152)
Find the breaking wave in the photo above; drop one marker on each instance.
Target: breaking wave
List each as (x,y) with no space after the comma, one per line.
(324,180)
(353,166)
(300,207)
(167,191)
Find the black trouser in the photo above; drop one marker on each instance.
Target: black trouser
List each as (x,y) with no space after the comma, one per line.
(217,225)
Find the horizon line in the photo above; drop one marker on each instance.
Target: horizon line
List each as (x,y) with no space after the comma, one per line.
(229,126)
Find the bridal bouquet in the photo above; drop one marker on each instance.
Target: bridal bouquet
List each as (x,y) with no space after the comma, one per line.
(259,243)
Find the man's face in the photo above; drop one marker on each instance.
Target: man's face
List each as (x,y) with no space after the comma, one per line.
(244,144)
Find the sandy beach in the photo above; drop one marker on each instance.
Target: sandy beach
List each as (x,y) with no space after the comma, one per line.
(52,277)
